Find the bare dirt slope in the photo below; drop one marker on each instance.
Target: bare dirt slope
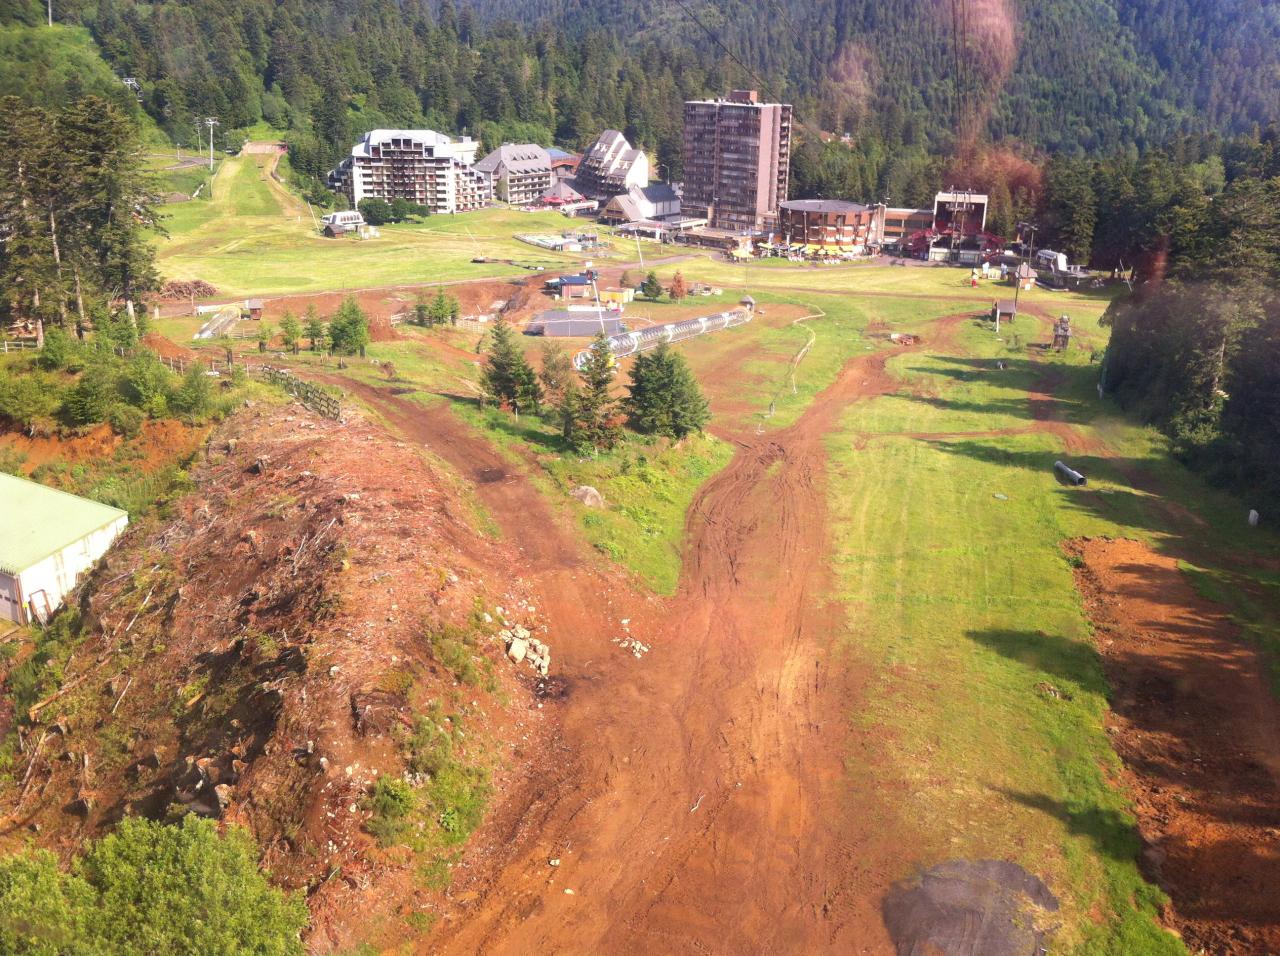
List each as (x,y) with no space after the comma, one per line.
(702,805)
(1199,731)
(255,654)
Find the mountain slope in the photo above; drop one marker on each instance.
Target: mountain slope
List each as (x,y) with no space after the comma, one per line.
(1089,74)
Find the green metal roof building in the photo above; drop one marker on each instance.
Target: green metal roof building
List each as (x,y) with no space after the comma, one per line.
(48,538)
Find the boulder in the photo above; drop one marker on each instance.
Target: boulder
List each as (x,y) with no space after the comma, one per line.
(588,496)
(517,649)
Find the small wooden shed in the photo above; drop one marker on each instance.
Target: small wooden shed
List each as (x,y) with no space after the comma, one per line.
(1004,310)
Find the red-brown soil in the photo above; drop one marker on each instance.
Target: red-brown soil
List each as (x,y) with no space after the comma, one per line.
(1199,732)
(250,653)
(701,804)
(475,296)
(160,443)
(165,347)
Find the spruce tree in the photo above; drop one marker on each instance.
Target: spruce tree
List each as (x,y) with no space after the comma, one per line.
(556,373)
(665,398)
(508,378)
(349,330)
(651,288)
(315,328)
(597,426)
(569,415)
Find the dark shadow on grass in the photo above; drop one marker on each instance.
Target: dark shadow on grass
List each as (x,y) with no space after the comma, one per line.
(1111,831)
(1054,392)
(529,429)
(1073,666)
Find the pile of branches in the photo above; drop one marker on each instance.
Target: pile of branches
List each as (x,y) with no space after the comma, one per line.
(195,289)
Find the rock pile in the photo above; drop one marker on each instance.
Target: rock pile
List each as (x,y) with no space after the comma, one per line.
(523,646)
(637,648)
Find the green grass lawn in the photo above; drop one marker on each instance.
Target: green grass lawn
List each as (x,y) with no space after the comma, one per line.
(964,606)
(243,241)
(169,177)
(904,283)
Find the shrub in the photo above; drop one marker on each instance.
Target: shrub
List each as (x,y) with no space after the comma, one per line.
(93,395)
(458,794)
(126,420)
(115,329)
(149,888)
(147,383)
(29,400)
(376,212)
(61,351)
(429,747)
(391,801)
(193,399)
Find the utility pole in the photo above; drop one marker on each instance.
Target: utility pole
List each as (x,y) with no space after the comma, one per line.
(211,122)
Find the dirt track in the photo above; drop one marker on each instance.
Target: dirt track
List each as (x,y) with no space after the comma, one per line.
(704,807)
(699,802)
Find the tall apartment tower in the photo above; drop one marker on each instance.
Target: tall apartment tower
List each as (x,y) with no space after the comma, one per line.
(737,156)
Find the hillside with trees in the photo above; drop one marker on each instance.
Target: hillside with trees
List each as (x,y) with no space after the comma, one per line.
(1085,77)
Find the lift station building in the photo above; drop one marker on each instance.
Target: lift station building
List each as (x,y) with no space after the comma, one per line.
(48,538)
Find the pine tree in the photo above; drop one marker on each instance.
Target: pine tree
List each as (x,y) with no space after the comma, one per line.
(507,377)
(315,328)
(651,288)
(665,398)
(590,413)
(27,271)
(115,198)
(556,373)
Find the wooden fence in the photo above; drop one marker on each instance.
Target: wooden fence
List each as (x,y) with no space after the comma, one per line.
(18,345)
(313,396)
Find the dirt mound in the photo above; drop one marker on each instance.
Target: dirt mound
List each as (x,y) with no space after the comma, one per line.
(166,348)
(259,654)
(971,908)
(159,443)
(1199,732)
